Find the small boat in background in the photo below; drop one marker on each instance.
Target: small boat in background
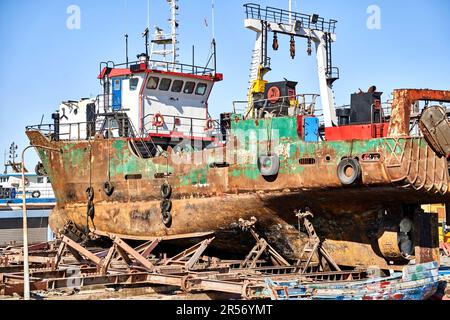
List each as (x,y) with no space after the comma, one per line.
(416,282)
(40,200)
(38,191)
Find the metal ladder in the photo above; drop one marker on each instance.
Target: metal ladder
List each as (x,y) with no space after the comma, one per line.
(313,246)
(261,246)
(253,256)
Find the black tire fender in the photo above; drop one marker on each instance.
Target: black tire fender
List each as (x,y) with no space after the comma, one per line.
(167,219)
(166,190)
(36,194)
(166,205)
(108,187)
(268,165)
(348,177)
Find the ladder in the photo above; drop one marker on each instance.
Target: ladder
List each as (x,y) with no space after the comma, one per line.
(331,72)
(254,66)
(312,247)
(253,256)
(261,246)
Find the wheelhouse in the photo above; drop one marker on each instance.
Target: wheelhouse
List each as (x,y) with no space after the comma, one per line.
(161,103)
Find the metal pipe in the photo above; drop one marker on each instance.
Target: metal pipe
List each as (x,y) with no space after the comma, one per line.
(26,267)
(215,56)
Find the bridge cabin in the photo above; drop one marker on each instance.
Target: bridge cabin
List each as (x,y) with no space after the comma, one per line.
(163,100)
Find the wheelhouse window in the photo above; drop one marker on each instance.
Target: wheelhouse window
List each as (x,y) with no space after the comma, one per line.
(40,180)
(201,89)
(177,85)
(165,84)
(48,180)
(189,87)
(134,83)
(152,83)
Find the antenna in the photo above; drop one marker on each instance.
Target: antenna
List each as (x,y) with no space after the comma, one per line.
(6,166)
(213,19)
(148,14)
(213,26)
(145,34)
(174,23)
(126,48)
(126,31)
(12,154)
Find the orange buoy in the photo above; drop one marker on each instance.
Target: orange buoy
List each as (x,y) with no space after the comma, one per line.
(209,125)
(273,94)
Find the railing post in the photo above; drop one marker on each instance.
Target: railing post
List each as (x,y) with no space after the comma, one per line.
(26,265)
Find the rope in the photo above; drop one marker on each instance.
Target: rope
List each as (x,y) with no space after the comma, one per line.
(269,135)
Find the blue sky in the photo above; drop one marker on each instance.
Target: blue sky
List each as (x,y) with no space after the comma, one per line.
(42,62)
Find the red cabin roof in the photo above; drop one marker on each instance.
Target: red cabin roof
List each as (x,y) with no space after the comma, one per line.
(120,72)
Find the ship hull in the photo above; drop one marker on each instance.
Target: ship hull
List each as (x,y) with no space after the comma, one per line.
(351,221)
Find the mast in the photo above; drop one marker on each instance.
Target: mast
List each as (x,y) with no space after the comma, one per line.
(174,25)
(168,42)
(6,166)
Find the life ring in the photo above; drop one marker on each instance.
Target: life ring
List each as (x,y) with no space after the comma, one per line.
(268,165)
(158,120)
(273,94)
(166,190)
(348,171)
(108,188)
(209,125)
(36,194)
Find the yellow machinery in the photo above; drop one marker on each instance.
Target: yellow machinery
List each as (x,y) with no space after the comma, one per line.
(257,88)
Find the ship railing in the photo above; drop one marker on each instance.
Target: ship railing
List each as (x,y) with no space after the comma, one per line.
(46,193)
(304,104)
(386,109)
(276,15)
(104,100)
(195,126)
(82,130)
(108,125)
(30,192)
(169,66)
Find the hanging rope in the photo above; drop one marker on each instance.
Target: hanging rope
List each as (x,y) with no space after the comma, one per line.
(269,135)
(90,210)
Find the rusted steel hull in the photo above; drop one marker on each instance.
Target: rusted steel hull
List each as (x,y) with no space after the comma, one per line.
(205,199)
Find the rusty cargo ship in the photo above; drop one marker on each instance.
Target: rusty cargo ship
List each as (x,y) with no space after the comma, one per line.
(145,159)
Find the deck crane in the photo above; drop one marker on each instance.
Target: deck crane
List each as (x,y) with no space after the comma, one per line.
(311,27)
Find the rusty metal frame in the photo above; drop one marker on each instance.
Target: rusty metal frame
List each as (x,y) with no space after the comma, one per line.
(261,246)
(182,270)
(193,253)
